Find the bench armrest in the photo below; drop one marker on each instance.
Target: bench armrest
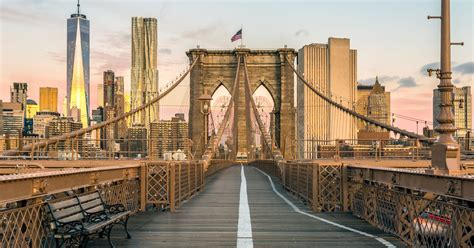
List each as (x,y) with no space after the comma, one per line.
(68,228)
(115,208)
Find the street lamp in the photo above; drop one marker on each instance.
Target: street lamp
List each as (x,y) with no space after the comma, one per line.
(445,152)
(205,100)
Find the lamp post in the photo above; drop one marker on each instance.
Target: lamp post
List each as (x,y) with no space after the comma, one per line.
(445,152)
(205,100)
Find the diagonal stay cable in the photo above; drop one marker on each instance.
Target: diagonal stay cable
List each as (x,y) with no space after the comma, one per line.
(216,139)
(276,153)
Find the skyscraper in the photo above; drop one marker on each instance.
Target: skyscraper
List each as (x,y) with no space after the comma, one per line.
(168,136)
(48,99)
(100,95)
(19,94)
(144,73)
(120,106)
(462,109)
(78,65)
(31,108)
(109,89)
(374,102)
(332,69)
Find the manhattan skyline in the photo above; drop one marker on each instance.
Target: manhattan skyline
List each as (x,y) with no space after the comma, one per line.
(394,40)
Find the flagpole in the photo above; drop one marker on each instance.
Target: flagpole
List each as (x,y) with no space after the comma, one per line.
(242,34)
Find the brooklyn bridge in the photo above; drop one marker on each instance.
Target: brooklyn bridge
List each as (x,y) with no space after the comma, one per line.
(352,193)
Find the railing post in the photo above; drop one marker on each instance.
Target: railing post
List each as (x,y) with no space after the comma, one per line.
(315,181)
(172,177)
(345,188)
(297,179)
(143,186)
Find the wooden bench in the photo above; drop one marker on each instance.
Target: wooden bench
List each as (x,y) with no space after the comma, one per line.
(77,220)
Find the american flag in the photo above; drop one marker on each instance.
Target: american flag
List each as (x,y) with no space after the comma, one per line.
(237,36)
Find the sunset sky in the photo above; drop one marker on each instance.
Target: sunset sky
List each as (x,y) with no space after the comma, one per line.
(394,40)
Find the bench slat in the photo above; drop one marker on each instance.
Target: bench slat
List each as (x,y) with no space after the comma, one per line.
(65,212)
(78,216)
(89,197)
(95,209)
(63,204)
(92,204)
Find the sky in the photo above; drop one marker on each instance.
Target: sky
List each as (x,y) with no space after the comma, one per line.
(393,38)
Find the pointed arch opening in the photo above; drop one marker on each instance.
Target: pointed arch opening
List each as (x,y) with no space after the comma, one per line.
(265,107)
(219,104)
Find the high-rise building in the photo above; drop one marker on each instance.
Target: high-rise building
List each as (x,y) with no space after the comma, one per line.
(19,94)
(63,125)
(462,109)
(109,89)
(98,115)
(75,113)
(31,108)
(144,73)
(168,136)
(13,118)
(120,107)
(78,65)
(65,111)
(127,106)
(374,102)
(1,118)
(332,69)
(48,99)
(100,95)
(41,123)
(137,141)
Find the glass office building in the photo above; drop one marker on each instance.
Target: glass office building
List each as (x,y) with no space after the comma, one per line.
(78,66)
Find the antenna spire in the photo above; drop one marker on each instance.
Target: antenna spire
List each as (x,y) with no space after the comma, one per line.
(78,7)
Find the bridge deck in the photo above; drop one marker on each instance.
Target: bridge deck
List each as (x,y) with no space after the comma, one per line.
(211,219)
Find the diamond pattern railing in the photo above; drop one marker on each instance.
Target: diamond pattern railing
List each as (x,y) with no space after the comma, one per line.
(26,226)
(420,222)
(157,183)
(419,218)
(321,185)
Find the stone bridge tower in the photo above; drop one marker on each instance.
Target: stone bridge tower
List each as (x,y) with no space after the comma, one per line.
(265,67)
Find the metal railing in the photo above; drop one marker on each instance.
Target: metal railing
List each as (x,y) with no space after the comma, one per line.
(98,149)
(362,149)
(139,186)
(422,209)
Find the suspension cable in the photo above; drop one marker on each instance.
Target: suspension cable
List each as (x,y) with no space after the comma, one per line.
(83,131)
(357,115)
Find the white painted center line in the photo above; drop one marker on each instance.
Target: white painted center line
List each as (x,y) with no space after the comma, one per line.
(296,209)
(244,231)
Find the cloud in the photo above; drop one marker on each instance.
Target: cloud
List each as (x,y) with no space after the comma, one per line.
(406,82)
(117,62)
(59,57)
(434,65)
(14,15)
(166,51)
(302,32)
(382,79)
(466,68)
(199,33)
(118,40)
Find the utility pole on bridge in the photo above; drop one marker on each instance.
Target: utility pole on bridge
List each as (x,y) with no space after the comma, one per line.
(445,153)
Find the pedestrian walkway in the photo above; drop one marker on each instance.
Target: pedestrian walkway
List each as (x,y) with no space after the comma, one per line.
(224,215)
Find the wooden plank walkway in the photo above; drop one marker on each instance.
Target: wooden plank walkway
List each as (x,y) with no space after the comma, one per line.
(210,219)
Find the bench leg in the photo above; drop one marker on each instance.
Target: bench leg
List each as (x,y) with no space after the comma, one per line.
(125,225)
(108,232)
(84,242)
